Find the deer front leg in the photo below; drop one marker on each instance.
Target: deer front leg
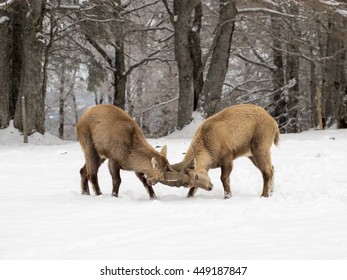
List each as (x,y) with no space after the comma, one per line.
(226,169)
(192,192)
(114,169)
(149,188)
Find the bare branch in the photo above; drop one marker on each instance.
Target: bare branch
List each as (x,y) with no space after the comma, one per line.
(268,11)
(139,8)
(268,66)
(171,15)
(50,6)
(100,50)
(132,67)
(160,104)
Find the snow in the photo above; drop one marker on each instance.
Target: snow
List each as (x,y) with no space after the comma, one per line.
(189,130)
(3,19)
(342,12)
(44,216)
(6,3)
(330,3)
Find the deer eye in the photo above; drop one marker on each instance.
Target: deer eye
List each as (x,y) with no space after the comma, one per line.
(196,177)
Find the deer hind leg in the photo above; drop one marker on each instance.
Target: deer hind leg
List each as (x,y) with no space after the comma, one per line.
(253,161)
(226,169)
(84,181)
(114,169)
(272,181)
(263,162)
(93,162)
(149,188)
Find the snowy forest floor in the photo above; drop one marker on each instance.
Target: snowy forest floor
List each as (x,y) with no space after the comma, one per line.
(44,216)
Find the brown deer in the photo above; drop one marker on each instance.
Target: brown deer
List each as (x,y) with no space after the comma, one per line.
(107,132)
(240,130)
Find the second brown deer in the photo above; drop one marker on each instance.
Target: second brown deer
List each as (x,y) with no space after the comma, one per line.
(240,130)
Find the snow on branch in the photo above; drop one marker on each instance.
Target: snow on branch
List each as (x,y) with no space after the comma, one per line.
(268,11)
(271,3)
(3,19)
(160,104)
(263,64)
(50,6)
(332,3)
(6,3)
(139,8)
(145,60)
(291,83)
(337,7)
(342,12)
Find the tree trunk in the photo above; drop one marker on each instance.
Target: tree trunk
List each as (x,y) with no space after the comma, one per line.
(17,42)
(5,68)
(341,114)
(120,78)
(313,89)
(279,102)
(293,92)
(182,24)
(75,108)
(30,84)
(196,53)
(61,102)
(335,85)
(212,90)
(293,73)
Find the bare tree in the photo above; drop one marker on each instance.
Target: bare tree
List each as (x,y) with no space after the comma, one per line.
(334,73)
(181,19)
(212,90)
(5,67)
(162,59)
(31,16)
(26,68)
(292,69)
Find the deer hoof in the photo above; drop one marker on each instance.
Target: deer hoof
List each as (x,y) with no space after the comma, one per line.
(227,195)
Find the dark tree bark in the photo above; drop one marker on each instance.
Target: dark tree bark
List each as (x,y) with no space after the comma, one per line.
(117,66)
(212,90)
(120,77)
(279,101)
(292,72)
(196,53)
(30,84)
(61,102)
(342,107)
(17,42)
(181,19)
(334,81)
(314,83)
(5,68)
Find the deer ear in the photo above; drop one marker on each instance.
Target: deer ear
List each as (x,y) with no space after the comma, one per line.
(163,151)
(155,164)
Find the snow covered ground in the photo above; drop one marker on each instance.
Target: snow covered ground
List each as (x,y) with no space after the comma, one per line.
(44,216)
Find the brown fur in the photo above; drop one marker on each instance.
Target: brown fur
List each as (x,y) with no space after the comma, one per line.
(107,132)
(240,130)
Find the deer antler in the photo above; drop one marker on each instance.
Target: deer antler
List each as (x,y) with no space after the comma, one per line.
(176,179)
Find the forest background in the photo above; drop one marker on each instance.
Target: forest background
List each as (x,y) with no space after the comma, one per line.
(162,60)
